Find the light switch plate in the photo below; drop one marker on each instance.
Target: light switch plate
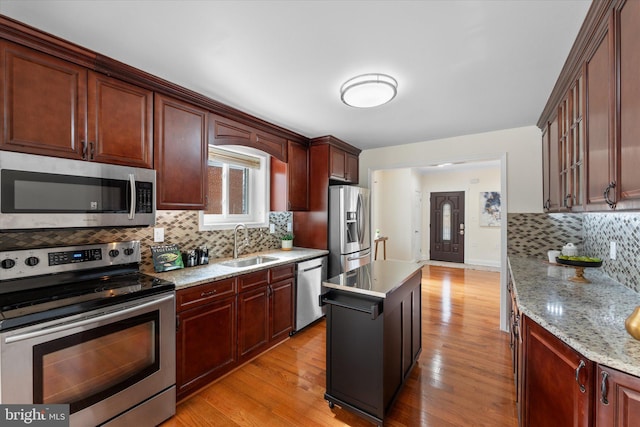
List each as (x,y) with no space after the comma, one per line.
(272,228)
(612,250)
(158,234)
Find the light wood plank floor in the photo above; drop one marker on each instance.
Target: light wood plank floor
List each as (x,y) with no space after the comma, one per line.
(463,377)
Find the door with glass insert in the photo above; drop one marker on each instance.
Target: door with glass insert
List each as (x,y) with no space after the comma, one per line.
(447,226)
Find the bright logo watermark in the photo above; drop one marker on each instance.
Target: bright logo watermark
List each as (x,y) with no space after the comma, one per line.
(34,415)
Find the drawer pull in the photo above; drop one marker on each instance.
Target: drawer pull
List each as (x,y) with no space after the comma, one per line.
(208,293)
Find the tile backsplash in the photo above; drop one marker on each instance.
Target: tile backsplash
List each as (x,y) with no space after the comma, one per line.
(533,234)
(180,227)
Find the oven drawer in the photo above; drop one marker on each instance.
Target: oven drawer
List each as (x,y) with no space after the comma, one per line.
(196,295)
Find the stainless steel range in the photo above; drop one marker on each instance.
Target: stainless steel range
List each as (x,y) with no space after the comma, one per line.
(79,325)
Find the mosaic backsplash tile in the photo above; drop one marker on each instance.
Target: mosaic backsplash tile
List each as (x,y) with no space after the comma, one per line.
(180,227)
(533,234)
(624,229)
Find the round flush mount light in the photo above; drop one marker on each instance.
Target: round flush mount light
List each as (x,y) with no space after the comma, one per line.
(368,90)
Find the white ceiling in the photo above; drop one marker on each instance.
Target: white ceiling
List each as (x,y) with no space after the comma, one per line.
(463,67)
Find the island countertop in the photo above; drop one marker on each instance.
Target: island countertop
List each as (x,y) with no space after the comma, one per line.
(377,279)
(587,317)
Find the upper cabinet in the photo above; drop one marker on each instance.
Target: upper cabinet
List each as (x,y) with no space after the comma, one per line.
(57,108)
(223,131)
(343,166)
(595,104)
(120,122)
(180,154)
(290,180)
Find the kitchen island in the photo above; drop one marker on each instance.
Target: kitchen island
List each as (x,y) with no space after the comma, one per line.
(374,335)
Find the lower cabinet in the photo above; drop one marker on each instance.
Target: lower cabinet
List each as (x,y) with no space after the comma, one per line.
(265,304)
(558,381)
(222,324)
(618,398)
(205,334)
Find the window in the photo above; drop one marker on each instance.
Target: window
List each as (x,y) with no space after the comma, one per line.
(238,188)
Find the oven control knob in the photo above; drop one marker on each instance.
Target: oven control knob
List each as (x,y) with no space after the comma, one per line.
(32,261)
(128,251)
(7,263)
(114,253)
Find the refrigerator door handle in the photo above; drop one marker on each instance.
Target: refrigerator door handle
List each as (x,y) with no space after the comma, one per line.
(364,255)
(360,220)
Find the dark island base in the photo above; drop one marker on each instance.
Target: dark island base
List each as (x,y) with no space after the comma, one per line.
(373,343)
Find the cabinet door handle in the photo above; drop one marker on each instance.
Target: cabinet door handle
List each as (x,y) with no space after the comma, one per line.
(84,150)
(91,150)
(547,204)
(581,365)
(567,197)
(603,389)
(611,203)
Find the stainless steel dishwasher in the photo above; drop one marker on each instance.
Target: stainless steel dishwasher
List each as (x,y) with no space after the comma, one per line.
(309,277)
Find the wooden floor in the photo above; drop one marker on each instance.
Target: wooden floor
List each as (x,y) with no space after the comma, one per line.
(463,377)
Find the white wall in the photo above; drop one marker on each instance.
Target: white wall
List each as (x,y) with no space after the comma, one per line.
(482,244)
(392,204)
(523,150)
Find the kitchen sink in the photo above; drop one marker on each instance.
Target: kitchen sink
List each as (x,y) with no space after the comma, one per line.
(247,262)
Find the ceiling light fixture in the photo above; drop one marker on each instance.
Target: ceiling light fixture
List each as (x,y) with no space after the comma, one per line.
(368,90)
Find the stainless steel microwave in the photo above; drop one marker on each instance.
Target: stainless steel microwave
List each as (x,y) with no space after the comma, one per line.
(39,192)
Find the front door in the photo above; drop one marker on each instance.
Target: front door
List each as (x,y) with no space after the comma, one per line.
(447,226)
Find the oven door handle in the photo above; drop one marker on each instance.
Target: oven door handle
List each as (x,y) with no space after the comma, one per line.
(70,324)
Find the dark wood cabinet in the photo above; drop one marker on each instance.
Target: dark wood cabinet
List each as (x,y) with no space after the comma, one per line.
(617,398)
(265,309)
(223,131)
(627,16)
(56,108)
(550,165)
(44,103)
(599,91)
(328,161)
(557,381)
(281,309)
(120,122)
(596,100)
(343,166)
(180,154)
(206,334)
(515,343)
(290,180)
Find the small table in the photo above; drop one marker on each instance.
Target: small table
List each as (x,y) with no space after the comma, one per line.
(384,247)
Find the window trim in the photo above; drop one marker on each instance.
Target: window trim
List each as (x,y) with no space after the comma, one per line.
(259,196)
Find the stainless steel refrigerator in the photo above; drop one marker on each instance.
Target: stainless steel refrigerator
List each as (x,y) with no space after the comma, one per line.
(349,228)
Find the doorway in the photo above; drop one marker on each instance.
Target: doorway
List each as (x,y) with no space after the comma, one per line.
(447,226)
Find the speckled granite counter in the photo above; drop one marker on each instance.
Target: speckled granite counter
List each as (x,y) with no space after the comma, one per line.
(588,317)
(192,276)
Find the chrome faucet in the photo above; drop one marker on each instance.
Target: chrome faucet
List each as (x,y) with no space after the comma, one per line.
(245,241)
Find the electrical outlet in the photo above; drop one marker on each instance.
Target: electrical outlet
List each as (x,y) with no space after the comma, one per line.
(612,250)
(289,226)
(158,234)
(272,228)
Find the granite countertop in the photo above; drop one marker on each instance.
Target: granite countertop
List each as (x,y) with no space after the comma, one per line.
(377,279)
(588,317)
(192,276)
